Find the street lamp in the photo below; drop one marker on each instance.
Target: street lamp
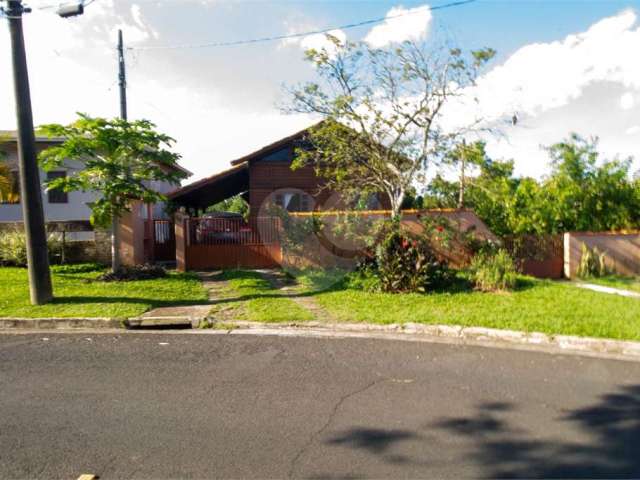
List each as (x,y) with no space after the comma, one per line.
(70,10)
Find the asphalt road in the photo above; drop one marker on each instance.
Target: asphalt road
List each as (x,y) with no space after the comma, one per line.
(204,406)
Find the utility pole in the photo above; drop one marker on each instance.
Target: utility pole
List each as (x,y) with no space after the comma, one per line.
(122,77)
(30,188)
(463,161)
(122,83)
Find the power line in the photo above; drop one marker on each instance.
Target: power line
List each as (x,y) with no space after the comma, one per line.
(295,35)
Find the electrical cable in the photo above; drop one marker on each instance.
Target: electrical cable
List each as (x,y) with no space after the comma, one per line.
(295,35)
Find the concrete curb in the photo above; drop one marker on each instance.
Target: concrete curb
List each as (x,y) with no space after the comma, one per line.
(58,323)
(457,334)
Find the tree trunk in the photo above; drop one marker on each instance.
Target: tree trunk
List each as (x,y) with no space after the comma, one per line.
(115,244)
(396,203)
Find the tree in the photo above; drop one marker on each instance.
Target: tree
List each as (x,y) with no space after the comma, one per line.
(383,112)
(580,193)
(235,204)
(119,161)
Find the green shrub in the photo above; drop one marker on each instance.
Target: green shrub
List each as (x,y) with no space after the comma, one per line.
(13,248)
(592,263)
(134,272)
(405,262)
(492,272)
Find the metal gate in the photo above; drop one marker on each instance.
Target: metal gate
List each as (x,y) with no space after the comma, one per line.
(233,243)
(164,241)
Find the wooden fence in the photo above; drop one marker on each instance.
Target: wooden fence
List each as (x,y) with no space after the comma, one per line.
(204,243)
(540,256)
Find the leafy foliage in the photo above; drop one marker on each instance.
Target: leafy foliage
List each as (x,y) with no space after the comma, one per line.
(235,204)
(120,160)
(383,112)
(135,272)
(493,272)
(581,193)
(13,247)
(592,263)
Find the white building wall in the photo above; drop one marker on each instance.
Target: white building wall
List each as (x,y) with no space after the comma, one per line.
(75,209)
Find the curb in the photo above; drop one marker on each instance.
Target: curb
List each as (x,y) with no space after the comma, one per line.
(456,334)
(481,336)
(59,323)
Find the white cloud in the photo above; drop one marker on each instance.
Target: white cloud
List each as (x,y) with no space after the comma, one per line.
(401,24)
(72,67)
(633,130)
(542,76)
(317,41)
(627,101)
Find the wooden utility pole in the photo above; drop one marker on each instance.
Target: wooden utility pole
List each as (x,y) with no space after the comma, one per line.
(30,188)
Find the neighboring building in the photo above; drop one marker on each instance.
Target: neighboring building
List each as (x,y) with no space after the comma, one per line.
(58,206)
(69,211)
(265,177)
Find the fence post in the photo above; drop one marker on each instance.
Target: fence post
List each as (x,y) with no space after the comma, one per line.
(181,227)
(567,254)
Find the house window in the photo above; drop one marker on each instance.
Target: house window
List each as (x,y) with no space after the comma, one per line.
(294,201)
(57,195)
(11,191)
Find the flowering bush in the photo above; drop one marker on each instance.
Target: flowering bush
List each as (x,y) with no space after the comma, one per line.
(404,262)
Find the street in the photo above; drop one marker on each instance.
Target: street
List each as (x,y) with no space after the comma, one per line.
(166,405)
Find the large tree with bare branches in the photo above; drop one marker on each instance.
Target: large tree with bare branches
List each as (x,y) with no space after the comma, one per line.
(384,112)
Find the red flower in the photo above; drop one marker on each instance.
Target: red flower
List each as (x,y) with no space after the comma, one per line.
(415,244)
(405,244)
(440,228)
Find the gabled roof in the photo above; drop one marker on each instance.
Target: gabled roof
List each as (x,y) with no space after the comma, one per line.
(12,136)
(273,146)
(228,183)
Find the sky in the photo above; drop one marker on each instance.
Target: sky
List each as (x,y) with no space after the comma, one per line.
(561,66)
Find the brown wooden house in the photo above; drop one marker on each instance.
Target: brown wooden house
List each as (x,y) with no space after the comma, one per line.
(265,177)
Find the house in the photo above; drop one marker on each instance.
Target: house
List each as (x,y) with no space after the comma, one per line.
(264,178)
(70,210)
(58,206)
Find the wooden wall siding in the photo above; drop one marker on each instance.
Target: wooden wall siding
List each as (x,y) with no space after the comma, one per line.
(233,256)
(267,177)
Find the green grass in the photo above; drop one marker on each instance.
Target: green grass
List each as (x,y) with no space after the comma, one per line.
(617,281)
(250,297)
(79,294)
(535,306)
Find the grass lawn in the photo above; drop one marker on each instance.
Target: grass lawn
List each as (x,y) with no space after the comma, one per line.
(79,294)
(250,297)
(536,305)
(617,281)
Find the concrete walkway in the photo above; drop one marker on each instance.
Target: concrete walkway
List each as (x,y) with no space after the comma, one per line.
(289,288)
(609,290)
(183,314)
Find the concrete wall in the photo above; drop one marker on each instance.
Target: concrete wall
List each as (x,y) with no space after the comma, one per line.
(622,251)
(134,235)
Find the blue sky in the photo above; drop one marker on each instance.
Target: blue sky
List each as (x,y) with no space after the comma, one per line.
(562,65)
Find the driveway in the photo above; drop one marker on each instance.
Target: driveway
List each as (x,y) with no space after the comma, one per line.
(163,405)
